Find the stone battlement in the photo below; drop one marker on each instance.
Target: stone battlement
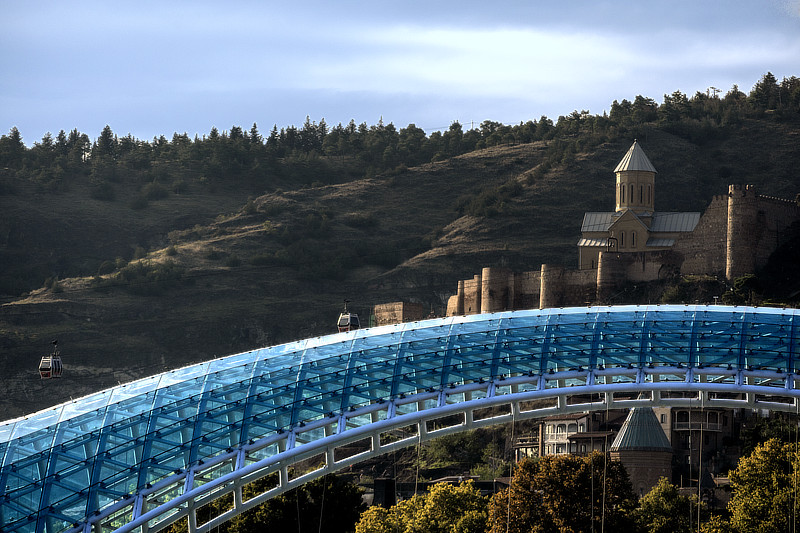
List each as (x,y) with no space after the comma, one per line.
(736,234)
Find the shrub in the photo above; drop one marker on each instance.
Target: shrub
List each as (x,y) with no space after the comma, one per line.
(147,279)
(106,267)
(140,202)
(103,191)
(154,191)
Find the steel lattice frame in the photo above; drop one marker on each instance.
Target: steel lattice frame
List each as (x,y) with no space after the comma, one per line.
(139,456)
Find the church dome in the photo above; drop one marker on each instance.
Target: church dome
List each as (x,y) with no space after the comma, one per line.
(635,159)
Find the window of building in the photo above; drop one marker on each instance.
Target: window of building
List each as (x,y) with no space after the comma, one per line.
(631,192)
(581,428)
(648,195)
(633,239)
(561,428)
(622,193)
(663,418)
(583,448)
(572,428)
(641,194)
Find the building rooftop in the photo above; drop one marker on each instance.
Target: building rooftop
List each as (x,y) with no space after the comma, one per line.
(635,159)
(674,222)
(642,432)
(660,222)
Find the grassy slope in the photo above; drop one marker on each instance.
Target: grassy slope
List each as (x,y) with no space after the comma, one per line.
(111,335)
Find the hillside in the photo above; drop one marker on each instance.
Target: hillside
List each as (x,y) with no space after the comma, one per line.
(207,272)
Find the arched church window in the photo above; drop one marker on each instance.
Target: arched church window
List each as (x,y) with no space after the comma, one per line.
(622,192)
(633,239)
(641,194)
(622,239)
(648,195)
(631,192)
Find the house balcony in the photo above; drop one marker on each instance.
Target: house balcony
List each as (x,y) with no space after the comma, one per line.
(697,426)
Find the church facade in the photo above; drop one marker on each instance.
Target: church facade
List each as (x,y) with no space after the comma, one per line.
(634,225)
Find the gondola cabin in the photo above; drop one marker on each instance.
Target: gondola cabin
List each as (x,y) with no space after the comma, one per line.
(348,322)
(50,366)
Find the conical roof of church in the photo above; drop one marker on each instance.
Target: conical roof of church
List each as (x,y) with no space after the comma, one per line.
(641,431)
(635,159)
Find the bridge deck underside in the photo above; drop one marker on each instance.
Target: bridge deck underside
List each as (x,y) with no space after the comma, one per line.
(146,453)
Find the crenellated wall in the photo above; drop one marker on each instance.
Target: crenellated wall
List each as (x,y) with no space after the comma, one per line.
(757,226)
(736,234)
(397,312)
(704,250)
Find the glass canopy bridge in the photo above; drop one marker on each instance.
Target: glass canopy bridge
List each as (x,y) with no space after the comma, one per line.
(142,455)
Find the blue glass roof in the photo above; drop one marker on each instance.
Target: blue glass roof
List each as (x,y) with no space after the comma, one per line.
(90,457)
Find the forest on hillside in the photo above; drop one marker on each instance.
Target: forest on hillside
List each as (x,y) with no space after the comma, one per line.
(317,154)
(169,252)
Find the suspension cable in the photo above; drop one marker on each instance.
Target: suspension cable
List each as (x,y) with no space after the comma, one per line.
(511,471)
(795,461)
(419,453)
(605,467)
(700,460)
(322,504)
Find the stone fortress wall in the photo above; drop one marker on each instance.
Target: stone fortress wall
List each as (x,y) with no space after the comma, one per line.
(735,235)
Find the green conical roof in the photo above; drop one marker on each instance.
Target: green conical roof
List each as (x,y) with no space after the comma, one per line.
(635,159)
(641,431)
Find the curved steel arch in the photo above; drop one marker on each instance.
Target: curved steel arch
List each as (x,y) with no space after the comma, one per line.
(142,455)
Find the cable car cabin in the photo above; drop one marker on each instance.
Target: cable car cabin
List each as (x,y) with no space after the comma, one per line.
(348,322)
(50,366)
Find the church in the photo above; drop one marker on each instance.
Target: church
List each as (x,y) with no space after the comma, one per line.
(634,225)
(734,236)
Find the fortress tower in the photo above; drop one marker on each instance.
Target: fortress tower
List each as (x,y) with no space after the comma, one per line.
(744,231)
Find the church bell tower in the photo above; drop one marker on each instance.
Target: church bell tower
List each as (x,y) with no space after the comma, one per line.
(635,182)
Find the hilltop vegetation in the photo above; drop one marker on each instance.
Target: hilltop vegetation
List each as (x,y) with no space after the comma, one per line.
(145,255)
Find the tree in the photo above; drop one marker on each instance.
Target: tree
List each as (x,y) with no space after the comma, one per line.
(764,487)
(644,109)
(564,493)
(665,510)
(330,500)
(445,509)
(11,149)
(106,144)
(765,93)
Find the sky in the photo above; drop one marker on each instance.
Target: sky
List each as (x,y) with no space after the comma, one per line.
(155,68)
